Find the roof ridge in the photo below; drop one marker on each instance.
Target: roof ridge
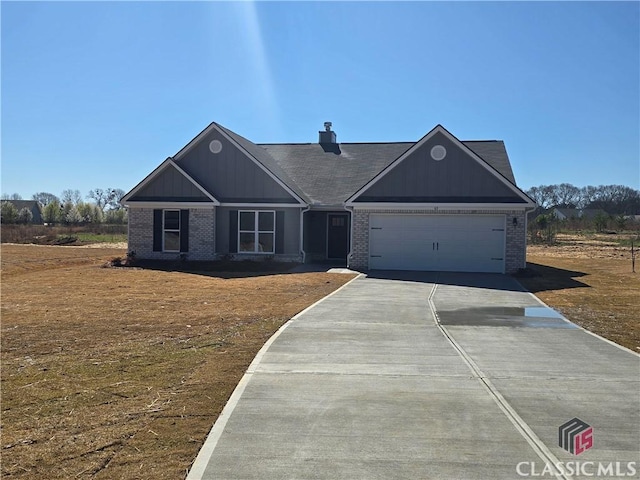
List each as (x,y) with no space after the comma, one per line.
(363,143)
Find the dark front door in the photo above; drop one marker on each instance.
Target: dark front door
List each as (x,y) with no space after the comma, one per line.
(337,235)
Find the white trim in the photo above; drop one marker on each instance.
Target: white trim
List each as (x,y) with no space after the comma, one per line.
(184,150)
(165,230)
(342,214)
(440,129)
(179,205)
(215,126)
(437,206)
(167,163)
(256,232)
(261,205)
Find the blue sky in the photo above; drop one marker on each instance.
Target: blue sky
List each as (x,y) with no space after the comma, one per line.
(99,94)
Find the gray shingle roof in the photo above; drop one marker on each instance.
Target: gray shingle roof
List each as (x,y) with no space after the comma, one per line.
(495,154)
(262,156)
(329,175)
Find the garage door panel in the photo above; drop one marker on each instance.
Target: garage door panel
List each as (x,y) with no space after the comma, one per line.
(471,243)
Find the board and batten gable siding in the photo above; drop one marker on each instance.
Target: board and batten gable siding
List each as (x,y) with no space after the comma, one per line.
(458,178)
(170,185)
(230,176)
(201,234)
(287,232)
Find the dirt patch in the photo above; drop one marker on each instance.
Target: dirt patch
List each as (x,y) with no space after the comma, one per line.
(575,245)
(593,288)
(121,372)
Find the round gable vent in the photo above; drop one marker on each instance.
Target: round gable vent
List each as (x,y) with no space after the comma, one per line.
(215,146)
(438,153)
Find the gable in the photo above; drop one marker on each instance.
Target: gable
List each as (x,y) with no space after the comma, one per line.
(169,185)
(231,174)
(461,177)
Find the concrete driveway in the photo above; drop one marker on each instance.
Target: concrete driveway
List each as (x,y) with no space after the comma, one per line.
(428,376)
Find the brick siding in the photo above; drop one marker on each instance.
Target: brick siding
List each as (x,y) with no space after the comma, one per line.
(201,235)
(515,241)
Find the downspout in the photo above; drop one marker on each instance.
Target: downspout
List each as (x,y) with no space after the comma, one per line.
(302,212)
(526,232)
(350,210)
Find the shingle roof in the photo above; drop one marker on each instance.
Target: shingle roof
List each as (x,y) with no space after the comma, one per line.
(262,156)
(331,176)
(495,154)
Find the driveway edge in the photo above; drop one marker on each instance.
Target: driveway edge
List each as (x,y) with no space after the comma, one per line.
(611,342)
(202,460)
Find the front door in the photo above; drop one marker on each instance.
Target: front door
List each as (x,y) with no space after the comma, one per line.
(337,235)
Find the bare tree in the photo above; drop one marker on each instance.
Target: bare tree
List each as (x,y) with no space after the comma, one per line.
(566,195)
(13,196)
(45,198)
(107,198)
(71,196)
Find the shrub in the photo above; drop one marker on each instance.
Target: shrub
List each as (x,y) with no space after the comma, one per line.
(25,216)
(9,213)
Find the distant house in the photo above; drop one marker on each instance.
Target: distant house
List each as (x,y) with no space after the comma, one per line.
(577,213)
(565,213)
(435,204)
(32,205)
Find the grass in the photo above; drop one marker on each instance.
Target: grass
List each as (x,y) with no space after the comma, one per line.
(121,372)
(60,234)
(90,237)
(599,293)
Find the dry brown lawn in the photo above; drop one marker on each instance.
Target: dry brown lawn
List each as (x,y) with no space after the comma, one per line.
(590,281)
(121,372)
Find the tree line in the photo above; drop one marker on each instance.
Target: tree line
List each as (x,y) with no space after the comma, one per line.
(613,199)
(69,208)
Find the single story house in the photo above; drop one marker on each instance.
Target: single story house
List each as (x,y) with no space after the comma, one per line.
(435,204)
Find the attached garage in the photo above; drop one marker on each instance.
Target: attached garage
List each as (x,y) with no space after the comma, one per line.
(454,243)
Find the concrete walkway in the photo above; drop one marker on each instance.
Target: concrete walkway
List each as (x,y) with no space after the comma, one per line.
(419,376)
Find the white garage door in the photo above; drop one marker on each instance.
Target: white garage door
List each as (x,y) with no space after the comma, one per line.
(453,243)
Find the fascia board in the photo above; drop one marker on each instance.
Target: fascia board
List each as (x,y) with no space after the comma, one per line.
(438,206)
(392,165)
(214,126)
(440,129)
(207,205)
(264,205)
(167,163)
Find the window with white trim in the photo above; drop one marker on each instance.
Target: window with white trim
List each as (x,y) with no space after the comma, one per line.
(171,230)
(256,231)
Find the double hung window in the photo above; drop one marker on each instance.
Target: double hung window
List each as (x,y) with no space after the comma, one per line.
(256,232)
(171,230)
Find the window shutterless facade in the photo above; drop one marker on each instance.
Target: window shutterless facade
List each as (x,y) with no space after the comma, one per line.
(256,231)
